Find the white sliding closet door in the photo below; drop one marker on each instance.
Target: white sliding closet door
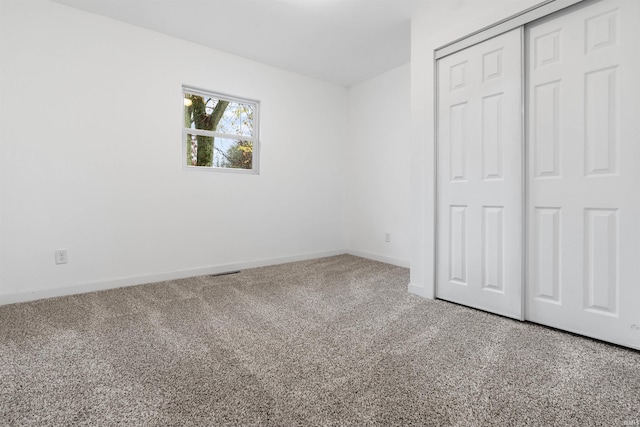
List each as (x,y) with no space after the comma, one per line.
(584,171)
(480,175)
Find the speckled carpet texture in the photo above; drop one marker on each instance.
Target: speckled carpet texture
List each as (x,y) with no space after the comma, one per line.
(336,341)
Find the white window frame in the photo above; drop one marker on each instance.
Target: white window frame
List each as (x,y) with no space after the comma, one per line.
(255,140)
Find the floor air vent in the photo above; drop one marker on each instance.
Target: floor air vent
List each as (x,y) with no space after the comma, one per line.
(224,274)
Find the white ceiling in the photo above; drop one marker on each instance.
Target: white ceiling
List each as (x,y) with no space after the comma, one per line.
(340,41)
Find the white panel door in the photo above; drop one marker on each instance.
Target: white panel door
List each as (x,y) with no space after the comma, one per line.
(480,176)
(584,171)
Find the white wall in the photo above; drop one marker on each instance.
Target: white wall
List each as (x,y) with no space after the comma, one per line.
(432,28)
(90,158)
(378,167)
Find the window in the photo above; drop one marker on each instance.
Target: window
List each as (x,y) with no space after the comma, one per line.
(220,132)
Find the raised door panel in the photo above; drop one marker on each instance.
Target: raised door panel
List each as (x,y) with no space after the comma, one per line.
(545,255)
(493,238)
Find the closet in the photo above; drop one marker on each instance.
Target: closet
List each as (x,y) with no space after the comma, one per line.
(538,172)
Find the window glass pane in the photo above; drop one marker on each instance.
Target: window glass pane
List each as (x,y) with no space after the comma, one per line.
(218,115)
(199,150)
(229,153)
(208,151)
(237,120)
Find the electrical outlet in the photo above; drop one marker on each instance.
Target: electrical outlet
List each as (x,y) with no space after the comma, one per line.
(387,237)
(62,257)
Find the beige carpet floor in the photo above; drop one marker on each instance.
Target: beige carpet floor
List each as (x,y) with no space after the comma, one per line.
(334,341)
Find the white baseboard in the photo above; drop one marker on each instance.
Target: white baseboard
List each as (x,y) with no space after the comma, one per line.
(388,260)
(152,278)
(419,290)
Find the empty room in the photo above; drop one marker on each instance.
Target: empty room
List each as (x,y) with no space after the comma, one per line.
(319,212)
